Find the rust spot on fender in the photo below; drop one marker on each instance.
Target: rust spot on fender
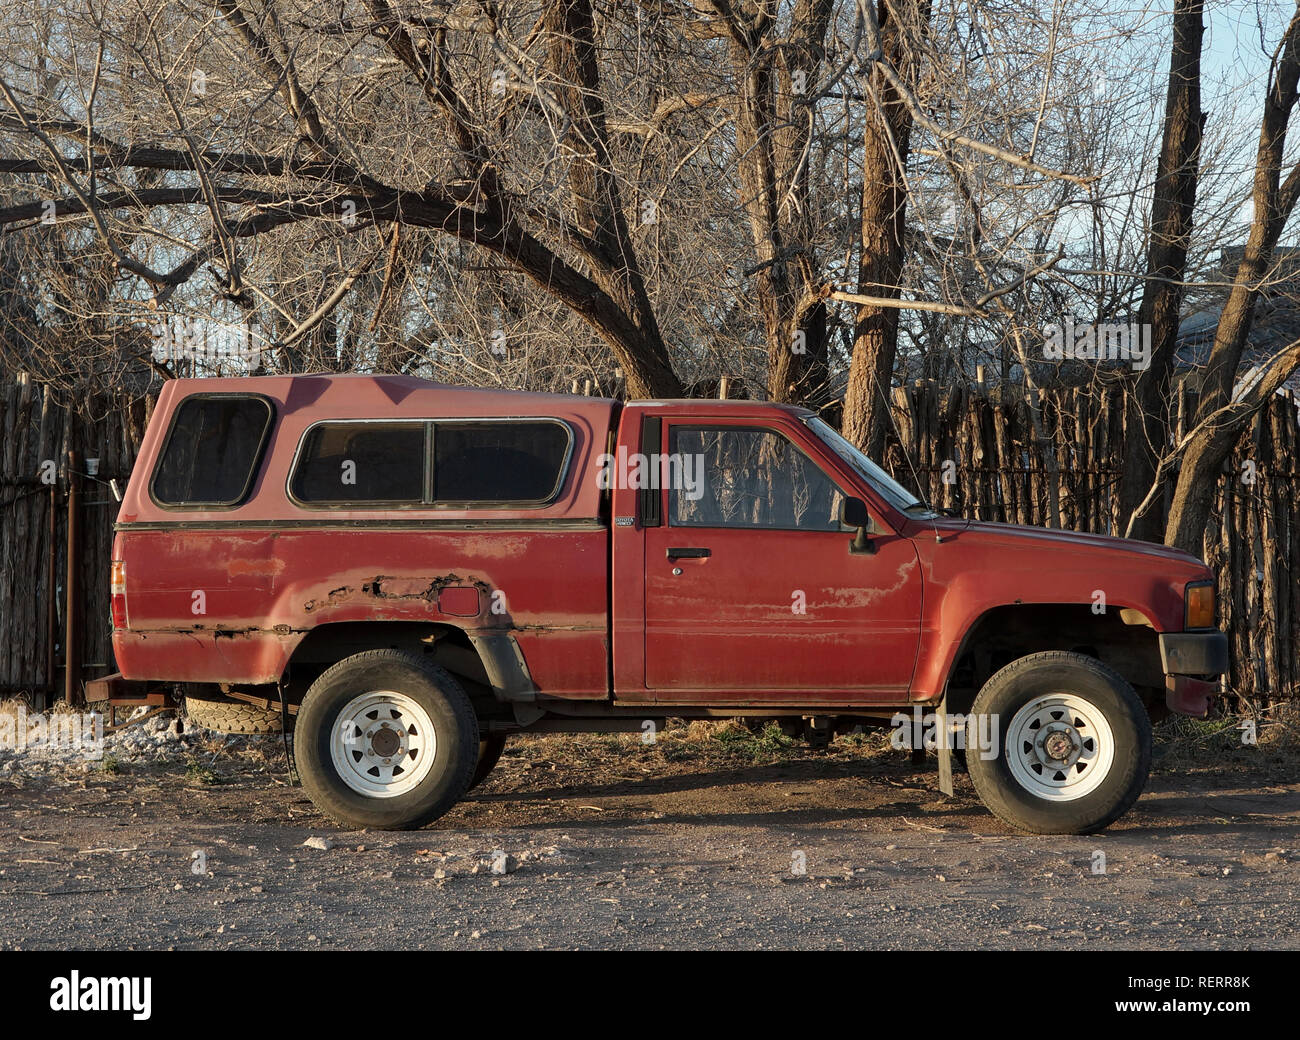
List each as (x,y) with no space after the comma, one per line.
(253,633)
(393,588)
(405,588)
(339,595)
(194,631)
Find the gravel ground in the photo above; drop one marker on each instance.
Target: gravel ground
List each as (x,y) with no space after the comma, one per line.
(707,840)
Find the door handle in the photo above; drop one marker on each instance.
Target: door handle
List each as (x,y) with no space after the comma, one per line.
(689,554)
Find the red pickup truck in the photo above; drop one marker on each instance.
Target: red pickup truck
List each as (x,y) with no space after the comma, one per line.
(412,571)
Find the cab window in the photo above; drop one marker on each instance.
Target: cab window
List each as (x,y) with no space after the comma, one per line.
(735,476)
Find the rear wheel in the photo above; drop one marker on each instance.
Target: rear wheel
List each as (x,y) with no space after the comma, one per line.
(385,739)
(1074,746)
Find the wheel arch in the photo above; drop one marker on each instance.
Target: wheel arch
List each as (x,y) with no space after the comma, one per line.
(490,662)
(1122,637)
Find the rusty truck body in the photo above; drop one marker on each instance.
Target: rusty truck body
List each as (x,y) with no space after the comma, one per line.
(410,572)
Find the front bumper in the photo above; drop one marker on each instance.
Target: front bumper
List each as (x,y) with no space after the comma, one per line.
(1190,660)
(1194,653)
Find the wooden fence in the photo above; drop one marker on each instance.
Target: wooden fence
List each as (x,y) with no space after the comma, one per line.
(47,456)
(974,452)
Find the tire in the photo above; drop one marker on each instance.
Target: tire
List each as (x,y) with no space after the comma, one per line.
(228,715)
(386,740)
(489,753)
(1073,747)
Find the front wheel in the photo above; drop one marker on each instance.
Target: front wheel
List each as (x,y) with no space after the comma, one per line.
(1072,746)
(387,740)
(489,754)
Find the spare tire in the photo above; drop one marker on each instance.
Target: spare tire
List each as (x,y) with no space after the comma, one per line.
(228,715)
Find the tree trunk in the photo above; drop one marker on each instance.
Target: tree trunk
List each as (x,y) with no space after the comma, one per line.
(1146,407)
(598,204)
(885,142)
(797,346)
(1274,200)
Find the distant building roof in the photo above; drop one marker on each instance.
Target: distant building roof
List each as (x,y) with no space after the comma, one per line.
(1277,314)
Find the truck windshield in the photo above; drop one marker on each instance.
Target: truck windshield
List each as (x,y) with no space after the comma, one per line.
(897,495)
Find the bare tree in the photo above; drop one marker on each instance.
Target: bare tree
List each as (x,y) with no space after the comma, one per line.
(490,84)
(893,33)
(1223,409)
(1172,209)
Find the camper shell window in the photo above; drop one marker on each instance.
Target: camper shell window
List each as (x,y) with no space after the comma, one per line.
(448,464)
(212,452)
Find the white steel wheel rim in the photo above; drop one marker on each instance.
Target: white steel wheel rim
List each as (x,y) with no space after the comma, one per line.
(1060,747)
(383,744)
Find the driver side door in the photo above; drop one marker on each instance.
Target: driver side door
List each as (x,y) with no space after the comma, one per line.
(752,593)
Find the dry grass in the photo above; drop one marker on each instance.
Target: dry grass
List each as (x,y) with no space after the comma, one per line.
(10,706)
(1279,727)
(1223,741)
(226,754)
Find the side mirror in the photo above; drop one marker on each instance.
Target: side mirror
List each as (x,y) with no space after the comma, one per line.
(853,513)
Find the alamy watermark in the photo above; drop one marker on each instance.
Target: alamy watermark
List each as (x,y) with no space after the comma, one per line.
(634,471)
(201,339)
(926,730)
(1105,341)
(129,993)
(56,732)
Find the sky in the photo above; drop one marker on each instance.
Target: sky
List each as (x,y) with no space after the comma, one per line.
(1232,39)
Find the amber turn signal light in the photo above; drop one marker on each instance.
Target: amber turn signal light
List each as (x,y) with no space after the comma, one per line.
(1200,606)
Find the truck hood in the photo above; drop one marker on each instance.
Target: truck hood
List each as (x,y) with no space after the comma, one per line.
(1026,537)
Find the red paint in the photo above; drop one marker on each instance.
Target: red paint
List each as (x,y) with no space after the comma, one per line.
(1186,695)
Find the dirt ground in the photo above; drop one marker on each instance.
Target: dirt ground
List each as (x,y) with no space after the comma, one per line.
(710,838)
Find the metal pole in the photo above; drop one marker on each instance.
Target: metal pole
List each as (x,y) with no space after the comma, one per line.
(72,652)
(51,594)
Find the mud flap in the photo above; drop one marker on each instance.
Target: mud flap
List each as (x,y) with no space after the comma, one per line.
(945,746)
(507,672)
